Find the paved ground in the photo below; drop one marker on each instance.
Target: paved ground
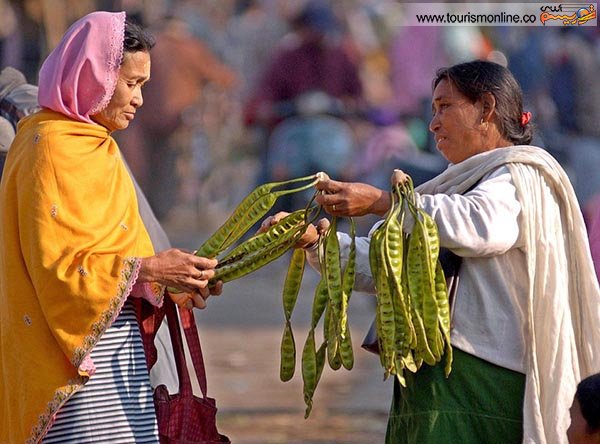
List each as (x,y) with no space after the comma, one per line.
(240,334)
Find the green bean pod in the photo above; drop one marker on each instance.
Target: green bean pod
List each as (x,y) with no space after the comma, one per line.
(247,213)
(288,354)
(385,308)
(332,339)
(441,294)
(421,279)
(319,301)
(345,350)
(334,273)
(254,261)
(395,252)
(309,370)
(320,363)
(262,240)
(293,281)
(348,280)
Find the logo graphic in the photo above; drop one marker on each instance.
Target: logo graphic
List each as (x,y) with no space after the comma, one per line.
(569,13)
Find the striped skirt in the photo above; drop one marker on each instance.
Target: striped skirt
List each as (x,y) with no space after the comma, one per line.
(116,405)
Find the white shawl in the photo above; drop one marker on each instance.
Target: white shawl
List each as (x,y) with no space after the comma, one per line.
(563,337)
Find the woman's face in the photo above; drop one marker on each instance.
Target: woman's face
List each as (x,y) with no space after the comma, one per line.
(127,98)
(579,431)
(456,123)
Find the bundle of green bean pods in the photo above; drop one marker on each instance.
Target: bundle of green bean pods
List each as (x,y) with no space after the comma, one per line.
(263,248)
(331,298)
(331,295)
(413,316)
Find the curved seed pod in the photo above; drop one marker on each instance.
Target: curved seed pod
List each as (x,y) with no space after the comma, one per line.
(374,247)
(404,330)
(348,280)
(293,280)
(385,308)
(320,362)
(345,350)
(288,354)
(421,281)
(331,338)
(254,261)
(395,259)
(333,271)
(417,289)
(247,213)
(236,226)
(319,301)
(441,293)
(309,370)
(262,240)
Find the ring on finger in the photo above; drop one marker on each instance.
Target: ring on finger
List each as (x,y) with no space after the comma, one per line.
(333,207)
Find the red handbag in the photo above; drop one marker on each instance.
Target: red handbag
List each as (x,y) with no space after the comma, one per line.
(184,418)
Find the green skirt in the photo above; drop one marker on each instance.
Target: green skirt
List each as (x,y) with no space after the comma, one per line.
(478,403)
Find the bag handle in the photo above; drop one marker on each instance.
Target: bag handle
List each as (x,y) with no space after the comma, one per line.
(185,385)
(193,341)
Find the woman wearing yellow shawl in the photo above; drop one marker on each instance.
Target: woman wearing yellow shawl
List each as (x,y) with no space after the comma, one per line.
(73,249)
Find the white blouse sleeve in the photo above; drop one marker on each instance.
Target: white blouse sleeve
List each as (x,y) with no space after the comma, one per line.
(482,222)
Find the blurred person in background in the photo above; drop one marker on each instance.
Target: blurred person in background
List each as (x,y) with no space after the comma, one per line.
(17,99)
(183,66)
(252,35)
(73,366)
(310,71)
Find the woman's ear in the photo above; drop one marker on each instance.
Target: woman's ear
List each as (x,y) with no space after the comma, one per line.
(488,107)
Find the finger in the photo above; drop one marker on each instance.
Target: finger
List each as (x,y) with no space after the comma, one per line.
(202,263)
(329,186)
(205,292)
(278,216)
(327,200)
(199,301)
(264,226)
(323,225)
(216,289)
(205,275)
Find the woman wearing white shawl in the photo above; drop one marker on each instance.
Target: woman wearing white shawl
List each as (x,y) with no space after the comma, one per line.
(526,325)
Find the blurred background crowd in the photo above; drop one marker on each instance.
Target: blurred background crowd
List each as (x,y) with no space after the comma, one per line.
(248,91)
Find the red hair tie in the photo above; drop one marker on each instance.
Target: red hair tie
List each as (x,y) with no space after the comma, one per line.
(525,118)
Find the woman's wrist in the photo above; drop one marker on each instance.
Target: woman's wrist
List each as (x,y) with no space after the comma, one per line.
(383,204)
(147,270)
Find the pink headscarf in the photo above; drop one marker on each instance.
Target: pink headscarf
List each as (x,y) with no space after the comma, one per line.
(79,76)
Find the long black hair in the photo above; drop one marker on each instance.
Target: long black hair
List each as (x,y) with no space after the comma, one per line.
(475,79)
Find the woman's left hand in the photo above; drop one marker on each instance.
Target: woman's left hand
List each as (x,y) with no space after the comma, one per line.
(352,198)
(197,298)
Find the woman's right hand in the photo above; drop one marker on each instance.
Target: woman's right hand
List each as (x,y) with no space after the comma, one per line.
(179,269)
(352,198)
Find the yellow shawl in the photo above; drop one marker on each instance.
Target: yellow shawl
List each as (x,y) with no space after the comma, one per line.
(70,249)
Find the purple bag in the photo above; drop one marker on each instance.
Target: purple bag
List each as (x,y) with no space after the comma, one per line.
(183,418)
